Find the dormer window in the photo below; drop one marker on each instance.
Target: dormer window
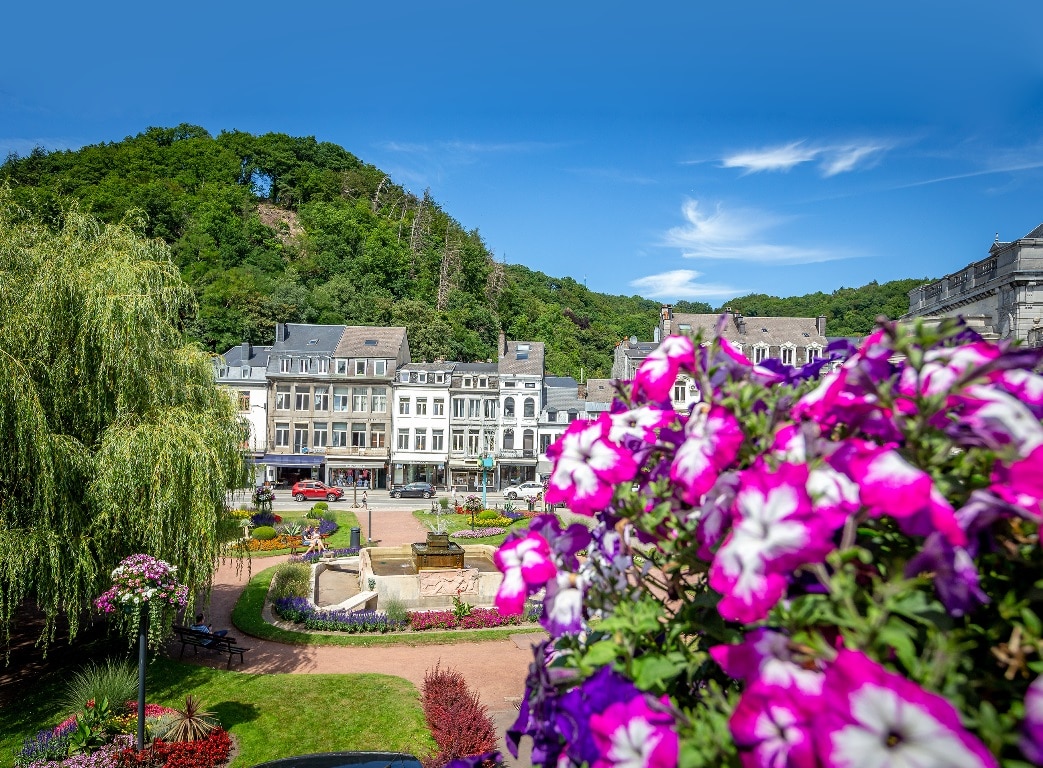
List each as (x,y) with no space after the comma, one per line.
(403,376)
(468,382)
(245,371)
(342,367)
(302,365)
(422,377)
(286,365)
(312,342)
(380,367)
(483,383)
(439,378)
(324,365)
(360,367)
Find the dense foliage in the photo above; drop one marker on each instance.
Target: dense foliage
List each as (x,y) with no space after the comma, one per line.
(799,572)
(275,228)
(114,437)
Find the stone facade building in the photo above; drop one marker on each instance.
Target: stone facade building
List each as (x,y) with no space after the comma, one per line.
(420,421)
(1001,296)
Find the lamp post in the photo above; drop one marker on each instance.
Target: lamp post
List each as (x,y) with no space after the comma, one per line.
(142,659)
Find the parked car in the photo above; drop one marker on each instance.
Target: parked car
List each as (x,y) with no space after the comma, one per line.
(313,489)
(529,490)
(413,491)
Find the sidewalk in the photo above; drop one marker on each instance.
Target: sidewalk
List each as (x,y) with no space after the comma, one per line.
(496,669)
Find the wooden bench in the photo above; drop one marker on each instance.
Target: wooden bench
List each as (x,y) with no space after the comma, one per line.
(210,642)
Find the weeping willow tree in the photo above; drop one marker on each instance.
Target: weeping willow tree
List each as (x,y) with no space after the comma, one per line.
(114,437)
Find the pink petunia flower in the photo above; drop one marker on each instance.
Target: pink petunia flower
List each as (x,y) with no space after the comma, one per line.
(872,717)
(764,658)
(712,441)
(775,530)
(1021,483)
(773,728)
(526,565)
(633,735)
(1032,727)
(639,423)
(657,373)
(587,467)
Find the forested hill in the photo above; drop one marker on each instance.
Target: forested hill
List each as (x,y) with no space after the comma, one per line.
(274,228)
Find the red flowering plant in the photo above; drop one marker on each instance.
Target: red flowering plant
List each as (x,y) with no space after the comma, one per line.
(803,569)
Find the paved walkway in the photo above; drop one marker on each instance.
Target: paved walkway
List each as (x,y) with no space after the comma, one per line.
(495,669)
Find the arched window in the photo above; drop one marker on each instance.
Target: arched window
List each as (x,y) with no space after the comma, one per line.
(508,439)
(787,355)
(508,408)
(529,411)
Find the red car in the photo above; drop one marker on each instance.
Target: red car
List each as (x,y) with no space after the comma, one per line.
(313,489)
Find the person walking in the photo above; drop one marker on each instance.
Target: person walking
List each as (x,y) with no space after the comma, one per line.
(365,500)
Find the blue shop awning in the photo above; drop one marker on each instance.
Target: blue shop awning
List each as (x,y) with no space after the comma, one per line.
(291,459)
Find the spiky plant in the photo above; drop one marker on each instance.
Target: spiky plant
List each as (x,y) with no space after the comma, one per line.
(115,681)
(190,723)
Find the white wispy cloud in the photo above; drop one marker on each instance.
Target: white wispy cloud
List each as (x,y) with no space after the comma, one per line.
(23,147)
(738,236)
(681,284)
(832,159)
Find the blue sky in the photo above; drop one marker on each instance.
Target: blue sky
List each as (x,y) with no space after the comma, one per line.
(676,150)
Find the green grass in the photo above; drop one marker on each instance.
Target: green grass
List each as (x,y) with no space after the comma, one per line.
(247,618)
(338,540)
(271,715)
(451,523)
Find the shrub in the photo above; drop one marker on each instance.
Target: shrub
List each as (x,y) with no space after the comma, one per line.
(458,720)
(191,723)
(395,610)
(291,580)
(487,514)
(112,681)
(264,533)
(290,529)
(327,526)
(265,519)
(443,502)
(317,509)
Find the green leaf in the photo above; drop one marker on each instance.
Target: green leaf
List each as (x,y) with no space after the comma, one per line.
(652,672)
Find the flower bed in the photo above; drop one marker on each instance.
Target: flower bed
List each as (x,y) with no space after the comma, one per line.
(300,611)
(313,557)
(477,533)
(282,541)
(208,752)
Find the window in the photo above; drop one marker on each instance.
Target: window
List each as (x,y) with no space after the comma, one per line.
(358,399)
(483,382)
(474,408)
(680,393)
(360,367)
(303,364)
(420,440)
(245,372)
(322,398)
(468,382)
(341,398)
(318,434)
(403,406)
(760,352)
(508,439)
(421,406)
(440,378)
(380,400)
(573,414)
(324,365)
(286,364)
(403,439)
(358,434)
(489,441)
(380,367)
(300,437)
(530,385)
(490,409)
(342,367)
(302,398)
(528,436)
(509,384)
(340,434)
(814,353)
(438,407)
(282,435)
(529,408)
(552,416)
(787,355)
(508,408)
(244,401)
(376,435)
(403,376)
(458,441)
(421,377)
(472,442)
(437,439)
(545,441)
(458,407)
(282,397)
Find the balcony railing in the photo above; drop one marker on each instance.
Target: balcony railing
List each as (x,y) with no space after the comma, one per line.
(517,453)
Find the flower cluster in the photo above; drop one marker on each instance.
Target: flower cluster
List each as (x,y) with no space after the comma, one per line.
(473,504)
(300,610)
(141,579)
(263,494)
(207,752)
(833,563)
(478,533)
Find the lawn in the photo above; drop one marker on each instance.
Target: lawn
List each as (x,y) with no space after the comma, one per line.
(338,540)
(270,715)
(452,522)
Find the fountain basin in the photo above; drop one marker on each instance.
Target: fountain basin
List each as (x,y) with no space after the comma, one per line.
(391,573)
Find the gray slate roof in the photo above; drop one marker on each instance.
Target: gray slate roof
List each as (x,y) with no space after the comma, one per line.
(519,362)
(1035,234)
(444,367)
(389,341)
(476,368)
(600,391)
(305,338)
(799,331)
(256,356)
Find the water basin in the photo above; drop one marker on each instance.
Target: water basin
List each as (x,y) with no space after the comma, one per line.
(346,760)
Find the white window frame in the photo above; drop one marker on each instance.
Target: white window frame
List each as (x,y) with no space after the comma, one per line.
(403,440)
(380,367)
(420,440)
(421,406)
(282,434)
(403,406)
(340,434)
(319,433)
(438,406)
(286,365)
(360,367)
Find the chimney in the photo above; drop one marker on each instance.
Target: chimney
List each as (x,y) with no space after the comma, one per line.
(740,321)
(280,332)
(820,325)
(503,344)
(247,352)
(666,315)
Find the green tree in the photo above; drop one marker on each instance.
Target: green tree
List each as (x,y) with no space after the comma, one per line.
(114,438)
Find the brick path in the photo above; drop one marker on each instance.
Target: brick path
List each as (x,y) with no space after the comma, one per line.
(495,669)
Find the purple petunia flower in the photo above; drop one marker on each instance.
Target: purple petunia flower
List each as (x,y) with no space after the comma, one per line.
(872,717)
(1032,727)
(526,565)
(953,573)
(712,441)
(764,658)
(657,373)
(773,728)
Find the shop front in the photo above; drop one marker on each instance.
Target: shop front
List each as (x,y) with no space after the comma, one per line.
(285,469)
(357,473)
(418,472)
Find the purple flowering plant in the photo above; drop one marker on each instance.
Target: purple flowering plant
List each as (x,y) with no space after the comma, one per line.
(831,565)
(143,582)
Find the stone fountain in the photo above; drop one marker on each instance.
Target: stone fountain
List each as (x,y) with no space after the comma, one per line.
(437,552)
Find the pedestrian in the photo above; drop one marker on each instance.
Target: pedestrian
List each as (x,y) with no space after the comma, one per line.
(365,500)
